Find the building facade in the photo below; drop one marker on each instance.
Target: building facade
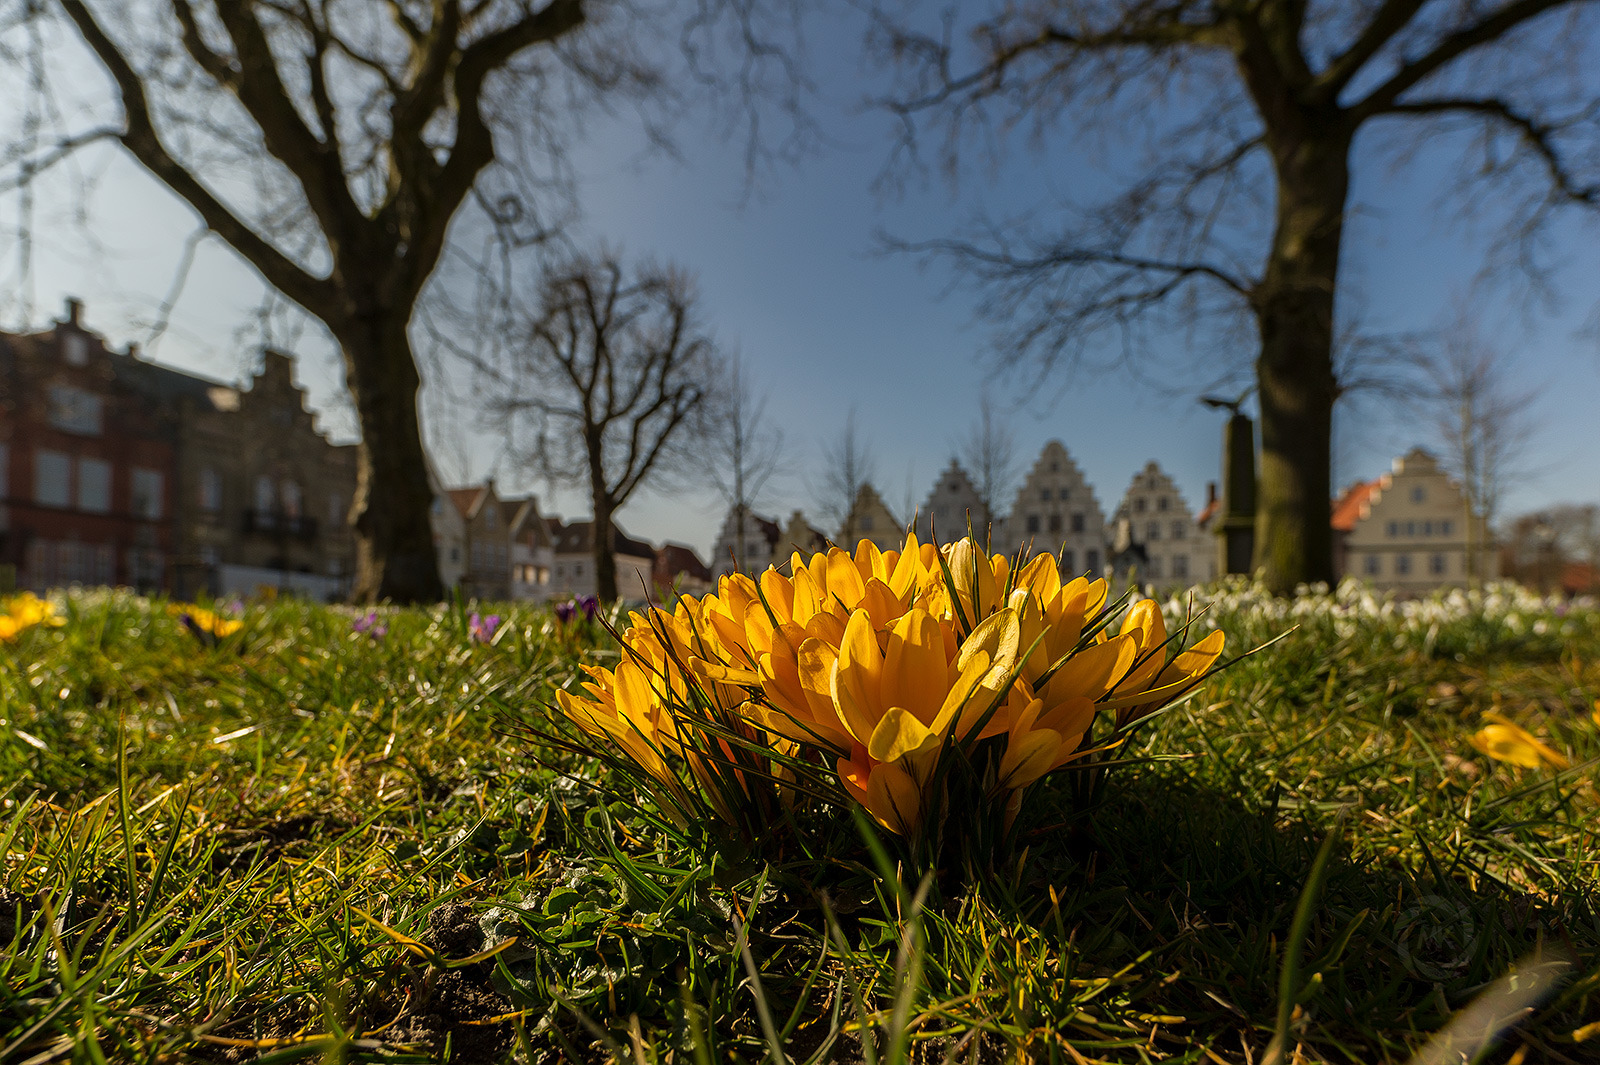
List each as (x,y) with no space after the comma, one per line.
(799,537)
(484,560)
(274,513)
(533,558)
(952,508)
(1153,515)
(574,563)
(1056,511)
(1409,530)
(117,471)
(870,519)
(756,543)
(679,571)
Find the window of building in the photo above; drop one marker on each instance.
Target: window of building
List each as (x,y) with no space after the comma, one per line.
(1436,565)
(1417,493)
(52,479)
(1402,565)
(266,494)
(1138,506)
(577,569)
(94,486)
(1372,565)
(1064,494)
(208,555)
(1445,528)
(1055,467)
(210,490)
(1427,528)
(490,514)
(866,523)
(1163,503)
(1033,523)
(73,410)
(1180,566)
(1180,531)
(1067,563)
(75,348)
(289,492)
(1091,560)
(1044,495)
(1411,528)
(1055,523)
(1077,523)
(1152,532)
(148,489)
(1393,529)
(455,554)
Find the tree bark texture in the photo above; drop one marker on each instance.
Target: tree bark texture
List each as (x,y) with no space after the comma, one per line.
(395,557)
(1294,309)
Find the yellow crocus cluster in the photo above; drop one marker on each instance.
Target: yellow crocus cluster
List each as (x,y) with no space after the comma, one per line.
(871,666)
(23,612)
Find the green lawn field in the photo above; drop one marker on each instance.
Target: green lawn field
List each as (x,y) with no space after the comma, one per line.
(312,840)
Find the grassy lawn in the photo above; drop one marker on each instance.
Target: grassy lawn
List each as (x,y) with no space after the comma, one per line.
(307,842)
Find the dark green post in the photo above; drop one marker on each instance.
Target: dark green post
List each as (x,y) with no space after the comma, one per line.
(1237,528)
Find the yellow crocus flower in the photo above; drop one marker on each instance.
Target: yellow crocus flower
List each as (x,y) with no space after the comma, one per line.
(25,611)
(1506,741)
(205,621)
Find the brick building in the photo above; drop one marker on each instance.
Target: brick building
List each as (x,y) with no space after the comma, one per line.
(117,471)
(87,462)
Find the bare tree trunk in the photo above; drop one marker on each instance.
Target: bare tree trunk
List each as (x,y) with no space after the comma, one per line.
(394,540)
(1294,306)
(605,557)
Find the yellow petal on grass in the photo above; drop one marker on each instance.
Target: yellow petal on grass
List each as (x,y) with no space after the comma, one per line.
(1507,742)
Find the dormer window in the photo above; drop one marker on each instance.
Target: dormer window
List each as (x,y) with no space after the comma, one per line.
(75,349)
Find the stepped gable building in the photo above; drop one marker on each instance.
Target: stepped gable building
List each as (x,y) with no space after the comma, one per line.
(1153,516)
(799,535)
(1408,530)
(264,498)
(1056,511)
(870,519)
(574,562)
(760,545)
(950,507)
(118,471)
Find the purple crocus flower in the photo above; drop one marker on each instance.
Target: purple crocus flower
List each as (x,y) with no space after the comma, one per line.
(370,625)
(588,604)
(482,628)
(565,612)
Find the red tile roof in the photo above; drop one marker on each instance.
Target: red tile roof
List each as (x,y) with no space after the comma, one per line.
(465,499)
(1347,510)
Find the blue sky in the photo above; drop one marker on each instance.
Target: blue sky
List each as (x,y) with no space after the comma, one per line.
(790,277)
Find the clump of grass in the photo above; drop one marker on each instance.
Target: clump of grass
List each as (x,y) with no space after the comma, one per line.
(301,842)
